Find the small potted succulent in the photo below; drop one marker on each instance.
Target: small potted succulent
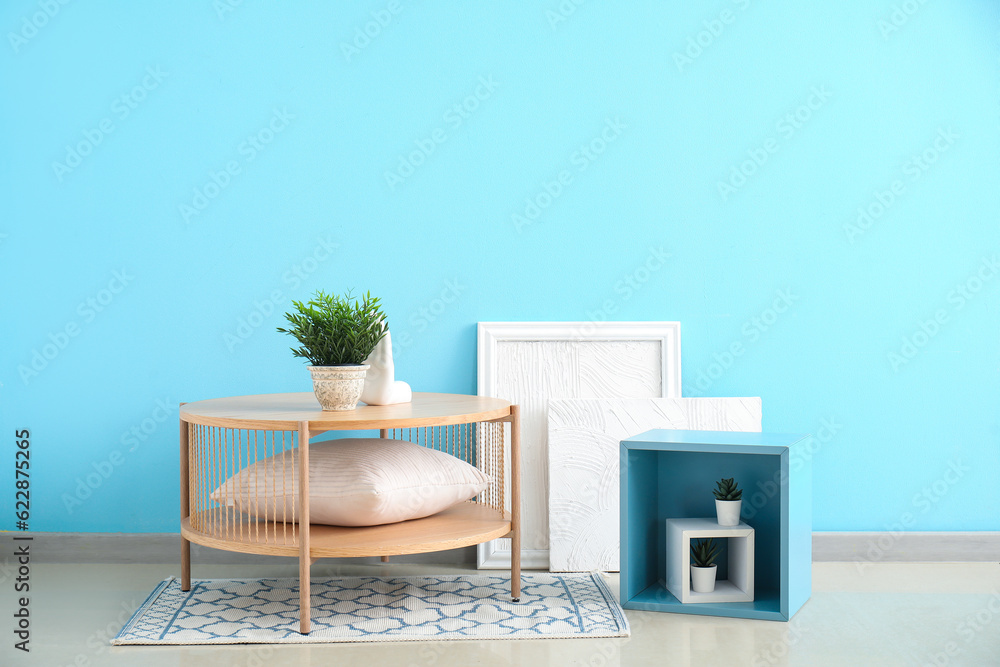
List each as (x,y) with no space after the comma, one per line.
(728,502)
(703,567)
(336,334)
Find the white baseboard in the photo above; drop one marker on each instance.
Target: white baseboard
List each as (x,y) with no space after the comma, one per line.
(490,558)
(937,547)
(139,548)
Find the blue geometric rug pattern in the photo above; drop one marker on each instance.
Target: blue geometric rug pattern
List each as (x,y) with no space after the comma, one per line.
(371,609)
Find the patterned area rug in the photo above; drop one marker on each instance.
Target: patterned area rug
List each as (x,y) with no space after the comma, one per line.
(373,609)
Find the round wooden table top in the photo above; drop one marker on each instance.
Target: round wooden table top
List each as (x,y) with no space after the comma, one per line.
(284,412)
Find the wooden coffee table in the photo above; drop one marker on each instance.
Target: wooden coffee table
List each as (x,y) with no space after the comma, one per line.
(219,437)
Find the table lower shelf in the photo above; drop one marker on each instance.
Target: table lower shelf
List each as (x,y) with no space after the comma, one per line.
(463,525)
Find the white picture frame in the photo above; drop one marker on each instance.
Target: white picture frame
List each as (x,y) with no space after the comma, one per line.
(527,363)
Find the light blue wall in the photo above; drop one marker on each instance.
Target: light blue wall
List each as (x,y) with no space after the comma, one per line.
(886,92)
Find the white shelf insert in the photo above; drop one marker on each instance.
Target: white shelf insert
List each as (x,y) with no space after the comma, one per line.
(739,586)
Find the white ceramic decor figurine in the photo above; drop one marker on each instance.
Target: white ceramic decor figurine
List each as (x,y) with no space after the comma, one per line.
(381,387)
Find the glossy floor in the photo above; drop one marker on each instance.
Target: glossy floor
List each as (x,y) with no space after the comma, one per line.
(881,614)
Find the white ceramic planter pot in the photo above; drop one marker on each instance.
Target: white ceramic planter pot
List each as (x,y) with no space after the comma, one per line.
(338,387)
(703,578)
(728,512)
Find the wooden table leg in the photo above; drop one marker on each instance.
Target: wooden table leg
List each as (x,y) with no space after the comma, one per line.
(185,508)
(515,503)
(185,565)
(305,559)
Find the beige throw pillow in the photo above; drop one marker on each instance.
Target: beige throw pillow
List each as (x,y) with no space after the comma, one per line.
(354,482)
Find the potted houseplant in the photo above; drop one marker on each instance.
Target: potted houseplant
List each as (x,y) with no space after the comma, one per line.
(336,334)
(703,567)
(728,502)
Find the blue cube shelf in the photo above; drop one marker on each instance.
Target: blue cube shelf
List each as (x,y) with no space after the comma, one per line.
(670,474)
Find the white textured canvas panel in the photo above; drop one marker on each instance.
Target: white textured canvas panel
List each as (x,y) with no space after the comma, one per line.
(529,363)
(583,449)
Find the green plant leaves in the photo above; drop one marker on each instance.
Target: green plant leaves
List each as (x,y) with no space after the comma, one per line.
(727,490)
(334,330)
(704,552)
